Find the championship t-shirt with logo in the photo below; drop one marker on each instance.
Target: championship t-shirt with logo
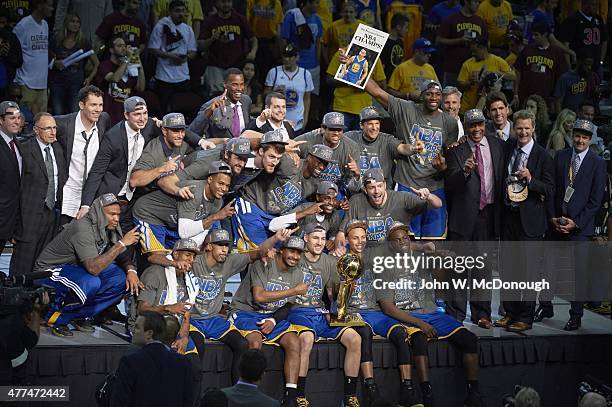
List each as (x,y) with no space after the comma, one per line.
(379,153)
(319,274)
(200,207)
(331,222)
(156,286)
(435,131)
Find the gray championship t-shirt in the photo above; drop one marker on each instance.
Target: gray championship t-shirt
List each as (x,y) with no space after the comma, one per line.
(379,153)
(199,207)
(157,208)
(199,162)
(155,154)
(156,286)
(319,274)
(435,131)
(211,282)
(331,222)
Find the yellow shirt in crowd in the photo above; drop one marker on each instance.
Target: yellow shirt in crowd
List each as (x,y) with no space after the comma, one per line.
(325,11)
(492,63)
(497,19)
(264,17)
(339,35)
(194,10)
(408,76)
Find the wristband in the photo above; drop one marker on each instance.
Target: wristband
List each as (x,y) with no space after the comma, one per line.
(122,244)
(133,271)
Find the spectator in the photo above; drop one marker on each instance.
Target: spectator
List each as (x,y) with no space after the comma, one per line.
(153,363)
(340,33)
(498,110)
(527,397)
(10,55)
(252,367)
(545,13)
(585,31)
(273,117)
(475,69)
(146,13)
(497,14)
(393,52)
(265,18)
(193,15)
(120,76)
(537,105)
(90,12)
(124,23)
(17,9)
(296,83)
(456,34)
(576,85)
(439,12)
(33,34)
(302,27)
(252,87)
(65,82)
(451,104)
(592,400)
(369,12)
(11,167)
(173,43)
(407,78)
(561,133)
(228,40)
(515,45)
(586,111)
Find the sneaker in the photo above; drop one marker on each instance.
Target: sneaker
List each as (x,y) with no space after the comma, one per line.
(473,399)
(61,330)
(602,309)
(83,325)
(351,401)
(409,398)
(301,402)
(371,393)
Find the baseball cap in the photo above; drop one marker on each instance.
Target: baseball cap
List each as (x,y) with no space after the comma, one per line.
(333,120)
(323,153)
(130,104)
(584,126)
(355,223)
(273,136)
(397,226)
(324,187)
(373,175)
(369,113)
(312,227)
(240,146)
(429,84)
(109,199)
(473,116)
(187,245)
(294,242)
(218,236)
(7,104)
(424,45)
(290,51)
(174,121)
(219,167)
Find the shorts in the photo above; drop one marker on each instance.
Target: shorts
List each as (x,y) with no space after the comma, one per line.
(249,225)
(445,324)
(383,324)
(313,319)
(246,323)
(156,238)
(210,328)
(430,224)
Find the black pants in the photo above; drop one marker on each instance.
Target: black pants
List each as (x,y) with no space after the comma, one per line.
(167,90)
(26,251)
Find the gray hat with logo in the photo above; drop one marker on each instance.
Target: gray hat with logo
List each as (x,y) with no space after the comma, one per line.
(174,121)
(314,227)
(218,236)
(373,175)
(324,187)
(398,226)
(323,153)
(355,223)
(240,146)
(473,116)
(584,126)
(430,84)
(294,242)
(109,199)
(187,245)
(333,120)
(369,113)
(273,137)
(130,104)
(7,104)
(219,167)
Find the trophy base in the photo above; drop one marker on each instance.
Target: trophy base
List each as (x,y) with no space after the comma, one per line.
(349,320)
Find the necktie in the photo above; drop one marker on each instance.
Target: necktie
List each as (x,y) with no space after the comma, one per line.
(481,174)
(50,198)
(575,167)
(516,165)
(12,145)
(235,122)
(131,163)
(87,140)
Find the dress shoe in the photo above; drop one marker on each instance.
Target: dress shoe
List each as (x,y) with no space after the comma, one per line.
(485,323)
(518,326)
(83,325)
(504,322)
(543,312)
(573,323)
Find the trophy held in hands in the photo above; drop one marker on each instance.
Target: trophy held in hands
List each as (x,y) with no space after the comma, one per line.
(349,268)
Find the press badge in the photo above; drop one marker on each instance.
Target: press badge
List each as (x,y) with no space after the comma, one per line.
(569,191)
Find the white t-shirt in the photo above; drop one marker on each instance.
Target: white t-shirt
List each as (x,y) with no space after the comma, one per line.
(34,39)
(179,40)
(296,84)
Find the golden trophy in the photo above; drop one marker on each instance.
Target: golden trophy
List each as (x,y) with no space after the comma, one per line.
(349,269)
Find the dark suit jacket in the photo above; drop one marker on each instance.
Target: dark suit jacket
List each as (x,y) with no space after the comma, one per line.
(491,130)
(153,376)
(463,193)
(242,395)
(219,126)
(65,131)
(533,210)
(252,125)
(10,181)
(109,170)
(34,187)
(589,185)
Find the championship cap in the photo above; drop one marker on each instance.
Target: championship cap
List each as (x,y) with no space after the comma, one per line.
(324,187)
(219,167)
(323,153)
(7,104)
(187,245)
(130,104)
(240,146)
(109,199)
(584,126)
(355,223)
(333,120)
(373,175)
(274,136)
(430,84)
(369,113)
(474,116)
(313,227)
(398,226)
(423,44)
(174,121)
(218,236)
(294,242)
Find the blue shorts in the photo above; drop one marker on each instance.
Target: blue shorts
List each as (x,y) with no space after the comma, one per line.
(210,328)
(430,224)
(250,225)
(445,324)
(156,238)
(312,319)
(383,324)
(246,323)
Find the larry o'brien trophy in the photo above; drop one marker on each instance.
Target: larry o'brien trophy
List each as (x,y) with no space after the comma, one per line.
(349,268)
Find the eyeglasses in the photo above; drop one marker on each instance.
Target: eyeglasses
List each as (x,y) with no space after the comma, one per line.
(47,129)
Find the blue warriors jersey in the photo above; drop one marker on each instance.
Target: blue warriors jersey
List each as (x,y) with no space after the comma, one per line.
(355,69)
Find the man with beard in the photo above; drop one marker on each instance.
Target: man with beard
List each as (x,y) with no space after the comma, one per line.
(406,304)
(90,265)
(379,150)
(436,130)
(451,104)
(273,117)
(497,109)
(380,207)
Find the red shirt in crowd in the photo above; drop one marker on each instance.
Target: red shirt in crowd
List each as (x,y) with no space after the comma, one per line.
(232,46)
(114,92)
(457,25)
(539,69)
(133,29)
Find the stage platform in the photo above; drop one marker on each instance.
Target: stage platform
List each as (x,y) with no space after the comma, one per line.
(547,358)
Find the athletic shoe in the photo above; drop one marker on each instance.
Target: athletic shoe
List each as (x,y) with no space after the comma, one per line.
(409,397)
(351,401)
(61,330)
(83,325)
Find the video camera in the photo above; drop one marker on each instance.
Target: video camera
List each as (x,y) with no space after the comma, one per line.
(19,293)
(593,385)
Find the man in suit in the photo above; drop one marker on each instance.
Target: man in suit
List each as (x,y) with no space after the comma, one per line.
(80,134)
(498,110)
(155,375)
(228,114)
(44,175)
(530,188)
(273,117)
(580,178)
(473,181)
(10,168)
(245,393)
